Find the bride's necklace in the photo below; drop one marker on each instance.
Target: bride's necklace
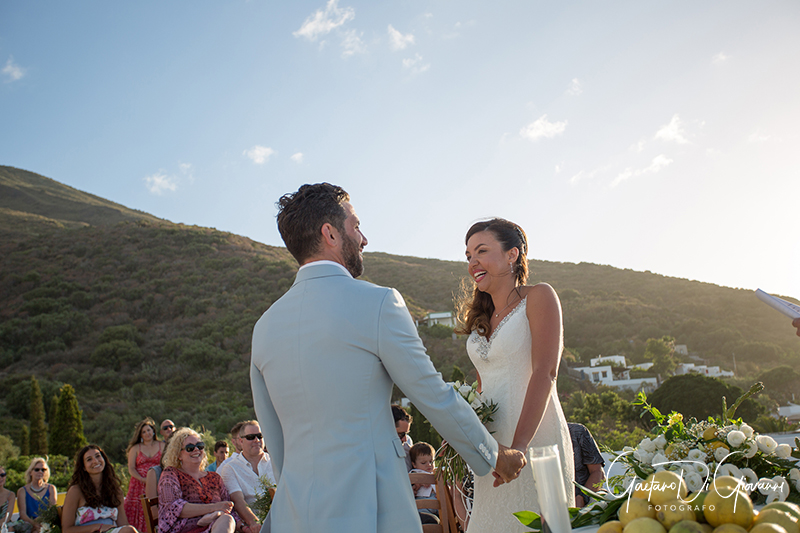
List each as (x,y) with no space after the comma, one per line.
(497,315)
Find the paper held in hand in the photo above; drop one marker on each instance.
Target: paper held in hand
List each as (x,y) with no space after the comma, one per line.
(787,308)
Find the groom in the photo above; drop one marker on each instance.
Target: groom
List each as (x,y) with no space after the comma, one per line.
(324,358)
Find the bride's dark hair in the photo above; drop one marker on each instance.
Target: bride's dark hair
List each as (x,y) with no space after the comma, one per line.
(475,308)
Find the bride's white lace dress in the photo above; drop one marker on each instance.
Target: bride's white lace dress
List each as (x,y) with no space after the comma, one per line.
(504,364)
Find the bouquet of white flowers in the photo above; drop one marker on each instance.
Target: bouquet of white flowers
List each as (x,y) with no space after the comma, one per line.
(452,465)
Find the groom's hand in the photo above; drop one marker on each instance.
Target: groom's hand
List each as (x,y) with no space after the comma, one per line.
(509,465)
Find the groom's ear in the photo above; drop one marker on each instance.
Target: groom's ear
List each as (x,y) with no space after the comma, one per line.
(330,235)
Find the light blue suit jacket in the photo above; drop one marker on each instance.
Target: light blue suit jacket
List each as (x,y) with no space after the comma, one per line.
(323,362)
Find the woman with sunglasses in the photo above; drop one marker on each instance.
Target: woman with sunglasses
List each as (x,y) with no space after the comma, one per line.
(94,496)
(144,452)
(189,498)
(35,496)
(7,499)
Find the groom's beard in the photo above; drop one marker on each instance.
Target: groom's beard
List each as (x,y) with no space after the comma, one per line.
(352,257)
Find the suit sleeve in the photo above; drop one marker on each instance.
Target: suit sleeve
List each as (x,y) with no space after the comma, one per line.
(403,355)
(267,419)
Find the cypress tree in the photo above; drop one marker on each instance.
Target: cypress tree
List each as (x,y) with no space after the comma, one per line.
(38,436)
(66,426)
(51,416)
(24,441)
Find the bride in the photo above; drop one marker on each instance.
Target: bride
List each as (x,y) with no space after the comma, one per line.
(515,341)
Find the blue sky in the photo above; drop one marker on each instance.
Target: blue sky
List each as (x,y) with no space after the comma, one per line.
(655,136)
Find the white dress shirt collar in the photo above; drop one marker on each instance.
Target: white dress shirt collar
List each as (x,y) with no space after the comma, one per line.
(325,262)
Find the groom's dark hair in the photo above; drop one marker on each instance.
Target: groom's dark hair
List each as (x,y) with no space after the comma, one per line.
(302,214)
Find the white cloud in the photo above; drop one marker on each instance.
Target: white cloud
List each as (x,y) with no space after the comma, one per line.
(574,88)
(719,58)
(322,22)
(159,182)
(758,137)
(397,40)
(297,158)
(543,129)
(13,71)
(639,146)
(415,64)
(259,154)
(352,43)
(659,163)
(673,131)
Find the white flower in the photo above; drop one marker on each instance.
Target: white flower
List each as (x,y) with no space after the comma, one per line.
(660,458)
(784,451)
(643,456)
(696,455)
(729,470)
(780,490)
(766,444)
(647,445)
(752,449)
(721,453)
(693,481)
(464,390)
(794,474)
(660,441)
(736,438)
(765,486)
(747,430)
(750,475)
(627,449)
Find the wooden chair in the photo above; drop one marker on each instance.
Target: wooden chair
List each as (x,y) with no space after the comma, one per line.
(150,506)
(442,503)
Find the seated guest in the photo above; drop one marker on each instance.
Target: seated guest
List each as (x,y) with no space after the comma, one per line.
(237,445)
(7,499)
(94,496)
(242,472)
(167,429)
(152,479)
(35,496)
(220,454)
(588,462)
(189,498)
(421,455)
(402,424)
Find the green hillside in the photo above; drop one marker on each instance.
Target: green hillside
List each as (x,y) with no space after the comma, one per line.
(149,318)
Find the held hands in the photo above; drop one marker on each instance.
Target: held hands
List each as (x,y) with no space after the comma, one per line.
(509,464)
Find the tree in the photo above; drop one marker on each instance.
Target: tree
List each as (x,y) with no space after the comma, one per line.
(457,374)
(661,353)
(24,441)
(694,395)
(38,435)
(7,450)
(66,427)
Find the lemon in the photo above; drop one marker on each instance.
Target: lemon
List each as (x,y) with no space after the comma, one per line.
(710,433)
(787,507)
(723,481)
(696,500)
(690,526)
(672,512)
(612,526)
(730,528)
(728,506)
(635,508)
(767,527)
(776,516)
(667,486)
(644,525)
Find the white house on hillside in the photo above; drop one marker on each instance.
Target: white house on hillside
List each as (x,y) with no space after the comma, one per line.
(710,371)
(791,412)
(618,375)
(445,318)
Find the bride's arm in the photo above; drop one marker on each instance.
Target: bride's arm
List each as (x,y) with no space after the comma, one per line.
(544,316)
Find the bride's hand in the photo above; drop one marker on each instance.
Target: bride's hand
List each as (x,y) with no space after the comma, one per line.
(509,464)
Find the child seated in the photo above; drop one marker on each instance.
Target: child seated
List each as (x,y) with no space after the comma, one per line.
(421,455)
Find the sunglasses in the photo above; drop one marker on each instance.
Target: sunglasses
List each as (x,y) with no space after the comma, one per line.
(167,427)
(40,470)
(3,474)
(253,436)
(401,434)
(190,447)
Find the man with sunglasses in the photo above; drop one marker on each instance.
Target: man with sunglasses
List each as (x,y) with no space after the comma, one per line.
(241,472)
(324,358)
(167,429)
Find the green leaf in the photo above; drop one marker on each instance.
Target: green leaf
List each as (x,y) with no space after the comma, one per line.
(529,519)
